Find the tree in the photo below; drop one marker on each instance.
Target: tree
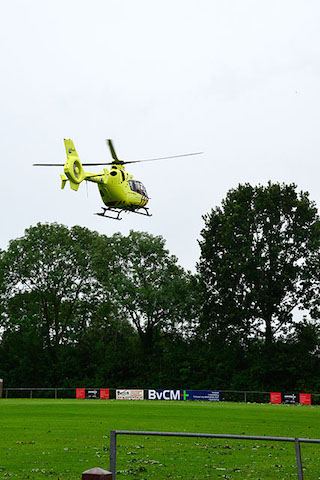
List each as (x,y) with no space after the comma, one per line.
(258,252)
(49,283)
(147,284)
(68,296)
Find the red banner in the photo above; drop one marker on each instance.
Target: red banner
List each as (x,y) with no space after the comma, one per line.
(305,398)
(275,397)
(104,393)
(80,393)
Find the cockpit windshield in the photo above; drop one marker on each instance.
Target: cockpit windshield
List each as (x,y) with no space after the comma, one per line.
(138,187)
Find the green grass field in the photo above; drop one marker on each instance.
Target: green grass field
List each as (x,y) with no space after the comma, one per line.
(43,439)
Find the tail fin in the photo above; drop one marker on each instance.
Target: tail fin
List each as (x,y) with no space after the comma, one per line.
(73,168)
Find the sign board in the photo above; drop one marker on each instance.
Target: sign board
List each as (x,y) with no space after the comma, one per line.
(80,393)
(275,397)
(305,398)
(104,393)
(204,395)
(129,394)
(95,393)
(163,394)
(289,398)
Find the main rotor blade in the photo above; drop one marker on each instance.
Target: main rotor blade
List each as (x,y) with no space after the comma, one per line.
(122,162)
(162,158)
(125,162)
(62,164)
(48,165)
(112,150)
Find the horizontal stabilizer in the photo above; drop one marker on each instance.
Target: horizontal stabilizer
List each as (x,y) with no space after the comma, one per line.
(74,186)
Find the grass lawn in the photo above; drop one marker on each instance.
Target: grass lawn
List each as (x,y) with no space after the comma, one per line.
(54,439)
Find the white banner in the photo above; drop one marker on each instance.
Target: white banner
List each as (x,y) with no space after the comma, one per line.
(164,395)
(129,394)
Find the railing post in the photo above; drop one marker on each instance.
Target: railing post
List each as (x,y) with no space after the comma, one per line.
(30,392)
(245,397)
(113,453)
(298,455)
(55,393)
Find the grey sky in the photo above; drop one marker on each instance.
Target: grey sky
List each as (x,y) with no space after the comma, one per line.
(237,79)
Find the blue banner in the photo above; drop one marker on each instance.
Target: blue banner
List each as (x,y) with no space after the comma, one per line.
(203,395)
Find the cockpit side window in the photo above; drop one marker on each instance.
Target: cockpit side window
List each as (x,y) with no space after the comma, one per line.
(143,189)
(138,187)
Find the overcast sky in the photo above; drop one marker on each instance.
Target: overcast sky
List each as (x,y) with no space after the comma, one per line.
(237,79)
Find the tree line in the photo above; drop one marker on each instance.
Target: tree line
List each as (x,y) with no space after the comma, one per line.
(80,308)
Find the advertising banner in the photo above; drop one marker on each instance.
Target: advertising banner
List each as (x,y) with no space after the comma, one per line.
(164,394)
(275,397)
(93,393)
(305,398)
(80,393)
(289,398)
(104,393)
(129,394)
(204,395)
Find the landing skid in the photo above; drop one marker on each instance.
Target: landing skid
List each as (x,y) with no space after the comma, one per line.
(104,214)
(118,212)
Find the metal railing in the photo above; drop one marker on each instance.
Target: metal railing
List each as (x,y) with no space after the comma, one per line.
(296,441)
(31,390)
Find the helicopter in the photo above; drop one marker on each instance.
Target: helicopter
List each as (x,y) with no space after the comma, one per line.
(119,191)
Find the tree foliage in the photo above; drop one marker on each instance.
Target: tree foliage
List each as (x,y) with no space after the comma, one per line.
(49,282)
(257,250)
(147,284)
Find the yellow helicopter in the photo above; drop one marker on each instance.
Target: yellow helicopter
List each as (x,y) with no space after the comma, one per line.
(118,189)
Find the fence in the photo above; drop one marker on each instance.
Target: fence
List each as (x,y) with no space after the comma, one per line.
(33,392)
(296,441)
(225,395)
